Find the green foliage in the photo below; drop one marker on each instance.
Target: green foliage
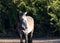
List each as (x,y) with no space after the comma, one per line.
(53,9)
(46,14)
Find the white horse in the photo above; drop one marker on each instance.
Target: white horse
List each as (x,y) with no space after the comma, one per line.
(22,28)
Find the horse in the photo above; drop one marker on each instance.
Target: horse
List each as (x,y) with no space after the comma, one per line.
(28,32)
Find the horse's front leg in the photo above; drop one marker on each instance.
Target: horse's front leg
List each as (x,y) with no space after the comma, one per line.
(26,38)
(21,39)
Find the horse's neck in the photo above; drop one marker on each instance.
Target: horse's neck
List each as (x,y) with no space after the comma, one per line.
(24,17)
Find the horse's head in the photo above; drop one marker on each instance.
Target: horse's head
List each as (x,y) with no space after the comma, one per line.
(22,15)
(22,18)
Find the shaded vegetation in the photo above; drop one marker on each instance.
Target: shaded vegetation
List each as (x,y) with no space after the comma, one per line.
(46,14)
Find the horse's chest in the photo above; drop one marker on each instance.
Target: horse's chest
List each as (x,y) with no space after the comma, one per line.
(28,30)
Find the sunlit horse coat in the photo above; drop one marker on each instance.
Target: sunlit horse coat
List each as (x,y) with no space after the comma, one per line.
(27,23)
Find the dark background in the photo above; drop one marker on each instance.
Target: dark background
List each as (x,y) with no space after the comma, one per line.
(46,14)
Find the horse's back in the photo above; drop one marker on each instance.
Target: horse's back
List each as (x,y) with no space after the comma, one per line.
(30,21)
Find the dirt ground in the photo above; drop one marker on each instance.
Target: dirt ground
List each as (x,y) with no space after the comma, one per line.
(34,41)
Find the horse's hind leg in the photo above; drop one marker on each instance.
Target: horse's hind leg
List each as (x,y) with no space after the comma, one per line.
(30,37)
(26,38)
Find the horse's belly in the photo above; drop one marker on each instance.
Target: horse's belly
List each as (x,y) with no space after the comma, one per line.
(28,30)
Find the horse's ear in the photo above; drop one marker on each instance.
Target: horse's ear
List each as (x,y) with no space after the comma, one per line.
(20,12)
(25,13)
